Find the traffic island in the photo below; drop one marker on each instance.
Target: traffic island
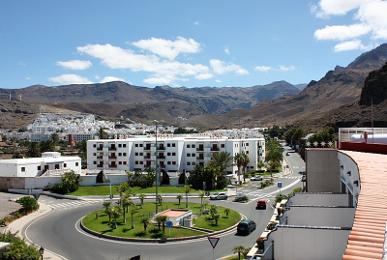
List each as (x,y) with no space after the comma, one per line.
(139,223)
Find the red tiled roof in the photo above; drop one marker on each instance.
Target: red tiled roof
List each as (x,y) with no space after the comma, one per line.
(366,240)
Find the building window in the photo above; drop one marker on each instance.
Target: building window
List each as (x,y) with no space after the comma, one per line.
(141,162)
(193,146)
(188,155)
(222,146)
(119,145)
(173,145)
(246,144)
(39,168)
(168,154)
(136,154)
(56,166)
(124,162)
(168,145)
(247,152)
(193,155)
(136,145)
(124,154)
(23,169)
(120,163)
(64,165)
(94,145)
(136,162)
(94,154)
(188,163)
(141,145)
(173,162)
(169,162)
(76,163)
(173,154)
(141,154)
(119,154)
(188,146)
(124,145)
(193,163)
(94,162)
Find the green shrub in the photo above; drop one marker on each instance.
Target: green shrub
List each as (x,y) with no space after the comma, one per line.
(69,183)
(18,249)
(28,204)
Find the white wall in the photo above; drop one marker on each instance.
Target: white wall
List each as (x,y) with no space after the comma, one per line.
(91,180)
(307,244)
(348,165)
(313,216)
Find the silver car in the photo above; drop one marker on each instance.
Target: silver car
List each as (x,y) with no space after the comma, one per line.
(218,196)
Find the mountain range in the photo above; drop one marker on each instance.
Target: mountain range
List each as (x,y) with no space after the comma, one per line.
(316,104)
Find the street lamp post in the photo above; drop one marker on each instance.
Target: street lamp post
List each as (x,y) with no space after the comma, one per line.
(157,173)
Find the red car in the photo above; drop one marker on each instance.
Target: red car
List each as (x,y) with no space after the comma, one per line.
(261,204)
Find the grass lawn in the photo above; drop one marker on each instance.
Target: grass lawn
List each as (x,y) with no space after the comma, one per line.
(101,224)
(105,190)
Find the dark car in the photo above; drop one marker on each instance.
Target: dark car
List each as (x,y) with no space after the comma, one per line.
(261,204)
(245,227)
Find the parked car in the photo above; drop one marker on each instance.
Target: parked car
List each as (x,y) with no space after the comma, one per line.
(245,227)
(241,197)
(261,204)
(218,196)
(256,178)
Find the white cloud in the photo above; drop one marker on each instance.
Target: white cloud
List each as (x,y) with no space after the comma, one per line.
(159,80)
(204,76)
(111,78)
(286,68)
(374,14)
(218,81)
(162,70)
(327,8)
(220,67)
(75,64)
(263,68)
(167,48)
(227,50)
(196,23)
(66,79)
(341,32)
(349,46)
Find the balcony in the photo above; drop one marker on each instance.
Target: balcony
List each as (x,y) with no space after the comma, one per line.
(162,148)
(100,148)
(200,149)
(113,148)
(112,157)
(161,157)
(200,158)
(371,140)
(100,165)
(215,149)
(113,166)
(147,157)
(99,157)
(147,148)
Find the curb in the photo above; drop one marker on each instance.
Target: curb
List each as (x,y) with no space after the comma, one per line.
(158,241)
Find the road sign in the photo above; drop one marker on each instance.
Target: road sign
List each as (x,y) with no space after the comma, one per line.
(279,185)
(169,224)
(213,241)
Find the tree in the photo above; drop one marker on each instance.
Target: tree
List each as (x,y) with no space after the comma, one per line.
(54,139)
(226,211)
(293,136)
(245,163)
(102,134)
(216,218)
(161,219)
(115,213)
(145,222)
(221,160)
(187,190)
(28,204)
(160,199)
(69,183)
(179,197)
(206,174)
(240,250)
(33,149)
(261,165)
(239,161)
(274,155)
(122,189)
(109,213)
(106,204)
(126,202)
(141,197)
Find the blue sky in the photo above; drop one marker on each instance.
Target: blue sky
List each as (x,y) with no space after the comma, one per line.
(183,43)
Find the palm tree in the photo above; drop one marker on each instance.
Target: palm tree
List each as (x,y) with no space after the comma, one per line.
(122,188)
(145,222)
(222,161)
(126,201)
(226,211)
(216,218)
(245,163)
(106,205)
(240,250)
(201,195)
(239,163)
(161,219)
(141,197)
(116,213)
(159,199)
(109,213)
(179,197)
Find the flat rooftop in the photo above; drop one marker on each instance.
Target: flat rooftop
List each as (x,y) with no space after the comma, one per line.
(174,213)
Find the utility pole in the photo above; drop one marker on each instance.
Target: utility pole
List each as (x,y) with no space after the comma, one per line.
(157,174)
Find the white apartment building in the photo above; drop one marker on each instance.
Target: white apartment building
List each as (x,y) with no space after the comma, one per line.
(174,154)
(50,164)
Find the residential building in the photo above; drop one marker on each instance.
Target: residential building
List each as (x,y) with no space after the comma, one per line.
(51,163)
(173,154)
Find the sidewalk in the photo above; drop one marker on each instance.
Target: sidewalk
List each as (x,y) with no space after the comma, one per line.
(18,226)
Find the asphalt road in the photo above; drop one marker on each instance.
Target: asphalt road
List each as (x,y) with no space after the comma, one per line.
(58,233)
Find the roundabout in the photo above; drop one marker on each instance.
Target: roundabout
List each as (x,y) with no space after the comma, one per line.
(139,223)
(60,232)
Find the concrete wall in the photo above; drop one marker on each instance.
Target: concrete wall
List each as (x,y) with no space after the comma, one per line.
(329,217)
(308,243)
(319,199)
(349,177)
(91,180)
(322,170)
(11,182)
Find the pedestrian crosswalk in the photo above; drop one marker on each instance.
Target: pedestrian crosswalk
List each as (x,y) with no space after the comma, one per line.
(291,177)
(66,204)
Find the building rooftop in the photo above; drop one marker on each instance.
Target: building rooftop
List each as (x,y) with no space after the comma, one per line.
(367,238)
(177,138)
